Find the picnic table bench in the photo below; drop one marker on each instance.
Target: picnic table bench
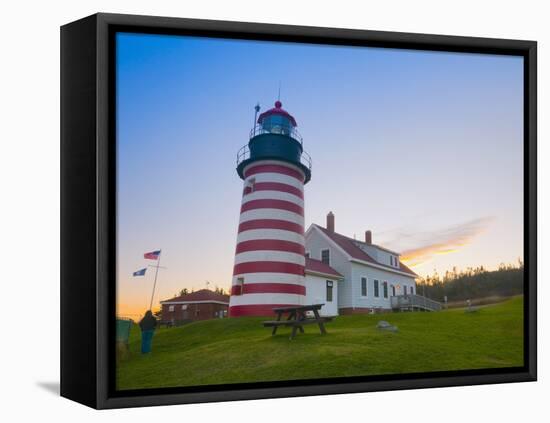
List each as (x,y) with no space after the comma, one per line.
(297,318)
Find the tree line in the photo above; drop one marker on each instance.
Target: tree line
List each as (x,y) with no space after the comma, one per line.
(186,291)
(473,283)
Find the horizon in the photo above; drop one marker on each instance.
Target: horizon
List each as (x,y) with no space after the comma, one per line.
(423,148)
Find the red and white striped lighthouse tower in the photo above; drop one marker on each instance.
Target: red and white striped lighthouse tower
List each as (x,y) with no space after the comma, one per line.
(269,257)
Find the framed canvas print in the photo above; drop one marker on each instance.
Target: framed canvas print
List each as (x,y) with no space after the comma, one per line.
(256,211)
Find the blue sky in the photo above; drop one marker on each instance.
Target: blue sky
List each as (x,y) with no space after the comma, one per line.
(423,148)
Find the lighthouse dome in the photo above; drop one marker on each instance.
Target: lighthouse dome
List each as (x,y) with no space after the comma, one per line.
(277,120)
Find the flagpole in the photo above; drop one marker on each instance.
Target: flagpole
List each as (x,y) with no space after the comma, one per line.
(155,283)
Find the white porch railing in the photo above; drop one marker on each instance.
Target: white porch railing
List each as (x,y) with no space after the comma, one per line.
(414,301)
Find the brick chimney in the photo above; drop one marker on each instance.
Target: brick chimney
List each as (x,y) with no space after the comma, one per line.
(368,237)
(330,222)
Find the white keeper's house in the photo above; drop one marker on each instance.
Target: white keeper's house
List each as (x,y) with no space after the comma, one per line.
(370,274)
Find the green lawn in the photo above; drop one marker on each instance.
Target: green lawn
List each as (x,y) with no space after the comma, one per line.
(241,350)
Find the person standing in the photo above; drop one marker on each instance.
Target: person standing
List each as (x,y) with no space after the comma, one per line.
(147,325)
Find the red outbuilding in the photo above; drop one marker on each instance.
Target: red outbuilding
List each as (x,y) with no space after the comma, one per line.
(199,305)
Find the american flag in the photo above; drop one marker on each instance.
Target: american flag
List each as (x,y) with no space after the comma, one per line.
(153,255)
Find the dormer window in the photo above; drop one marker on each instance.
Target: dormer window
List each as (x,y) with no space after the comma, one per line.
(325,256)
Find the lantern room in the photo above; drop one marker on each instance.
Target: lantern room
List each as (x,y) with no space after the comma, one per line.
(277,121)
(274,137)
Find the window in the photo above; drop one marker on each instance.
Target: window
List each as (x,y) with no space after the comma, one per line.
(250,186)
(405,289)
(385,288)
(412,290)
(376,289)
(325,256)
(363,287)
(307,254)
(171,308)
(184,307)
(238,287)
(329,290)
(393,290)
(391,260)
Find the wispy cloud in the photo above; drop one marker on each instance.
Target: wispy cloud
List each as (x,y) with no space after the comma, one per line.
(428,244)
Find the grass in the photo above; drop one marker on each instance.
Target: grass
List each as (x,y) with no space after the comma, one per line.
(493,299)
(241,350)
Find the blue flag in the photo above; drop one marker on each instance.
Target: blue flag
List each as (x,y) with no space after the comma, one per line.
(140,272)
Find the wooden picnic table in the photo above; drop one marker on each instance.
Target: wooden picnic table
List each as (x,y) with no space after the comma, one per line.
(297,318)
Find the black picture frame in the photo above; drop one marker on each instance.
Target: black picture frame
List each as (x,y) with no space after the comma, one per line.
(88,214)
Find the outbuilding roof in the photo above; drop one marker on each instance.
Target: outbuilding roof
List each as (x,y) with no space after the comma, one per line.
(202,295)
(317,266)
(349,246)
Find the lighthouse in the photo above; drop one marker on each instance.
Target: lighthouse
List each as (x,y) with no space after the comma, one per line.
(270,254)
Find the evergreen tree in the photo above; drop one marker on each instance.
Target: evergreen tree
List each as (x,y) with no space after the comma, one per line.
(474,283)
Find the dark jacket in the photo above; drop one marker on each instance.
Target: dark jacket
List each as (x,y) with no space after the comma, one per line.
(148,322)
